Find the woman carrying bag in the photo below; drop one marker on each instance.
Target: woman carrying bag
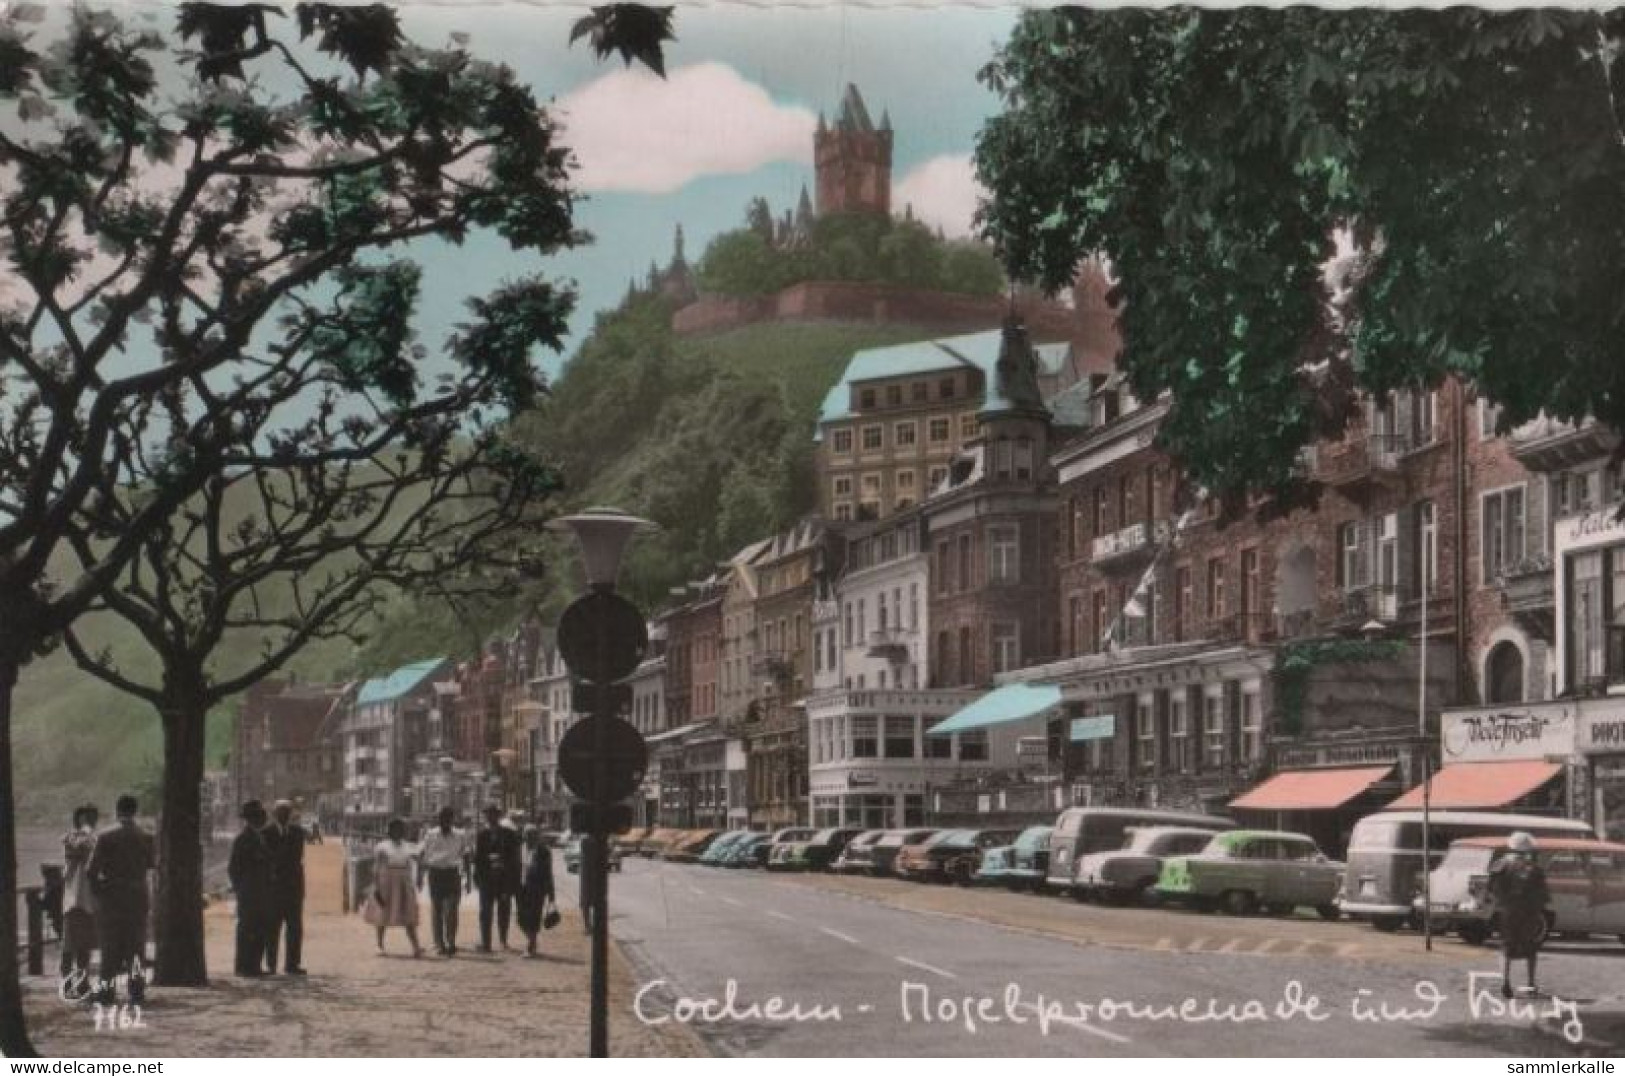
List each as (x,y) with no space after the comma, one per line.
(394,900)
(536,909)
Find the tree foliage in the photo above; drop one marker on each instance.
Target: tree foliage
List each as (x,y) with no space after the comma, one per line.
(1471,161)
(857,247)
(203,288)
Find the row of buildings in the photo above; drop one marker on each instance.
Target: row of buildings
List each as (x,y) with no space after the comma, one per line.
(1003,607)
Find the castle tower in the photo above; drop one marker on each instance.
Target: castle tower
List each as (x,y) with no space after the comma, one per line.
(853,160)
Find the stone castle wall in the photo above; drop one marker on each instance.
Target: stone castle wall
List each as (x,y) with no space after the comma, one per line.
(875,303)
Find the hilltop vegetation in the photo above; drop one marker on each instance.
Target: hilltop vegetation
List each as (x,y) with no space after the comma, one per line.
(855,247)
(709,437)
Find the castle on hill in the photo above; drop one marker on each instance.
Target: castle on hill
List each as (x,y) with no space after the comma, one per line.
(852,162)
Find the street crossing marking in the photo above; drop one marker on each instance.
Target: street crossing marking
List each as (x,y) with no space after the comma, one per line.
(849,939)
(729,900)
(781,915)
(1231,946)
(923,966)
(1269,944)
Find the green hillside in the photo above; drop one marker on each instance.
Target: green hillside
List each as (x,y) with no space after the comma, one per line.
(710,437)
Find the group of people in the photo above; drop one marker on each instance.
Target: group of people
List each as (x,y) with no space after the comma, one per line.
(105,903)
(512,870)
(267,872)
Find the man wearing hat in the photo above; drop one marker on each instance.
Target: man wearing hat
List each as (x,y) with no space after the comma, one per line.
(497,864)
(250,872)
(118,871)
(285,839)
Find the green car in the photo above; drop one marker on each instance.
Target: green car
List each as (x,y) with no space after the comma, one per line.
(1248,869)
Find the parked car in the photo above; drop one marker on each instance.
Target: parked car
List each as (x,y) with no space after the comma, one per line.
(950,856)
(658,840)
(1130,873)
(1586,879)
(1248,869)
(858,855)
(691,846)
(572,854)
(818,852)
(884,852)
(743,853)
(1021,865)
(1385,859)
(765,851)
(1080,831)
(718,850)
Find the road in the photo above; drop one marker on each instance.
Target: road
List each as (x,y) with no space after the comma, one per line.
(856,975)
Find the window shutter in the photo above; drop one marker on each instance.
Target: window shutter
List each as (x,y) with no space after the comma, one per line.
(1195,727)
(1409,578)
(1232,720)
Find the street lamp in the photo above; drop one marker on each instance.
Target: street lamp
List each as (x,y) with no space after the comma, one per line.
(601,647)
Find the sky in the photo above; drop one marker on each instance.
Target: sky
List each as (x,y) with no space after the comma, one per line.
(734,119)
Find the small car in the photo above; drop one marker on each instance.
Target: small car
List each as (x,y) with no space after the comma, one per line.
(950,856)
(1021,865)
(818,852)
(884,852)
(1130,873)
(858,855)
(766,852)
(742,853)
(1248,869)
(691,846)
(1586,880)
(714,855)
(572,854)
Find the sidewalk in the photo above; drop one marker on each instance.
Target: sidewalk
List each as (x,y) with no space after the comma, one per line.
(356,1003)
(1604,1028)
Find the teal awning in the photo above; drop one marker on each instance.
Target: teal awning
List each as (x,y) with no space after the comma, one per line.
(1012,702)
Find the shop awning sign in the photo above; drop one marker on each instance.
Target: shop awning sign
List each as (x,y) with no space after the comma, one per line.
(1506,734)
(1100,727)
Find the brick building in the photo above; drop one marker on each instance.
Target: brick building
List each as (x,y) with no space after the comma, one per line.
(279,748)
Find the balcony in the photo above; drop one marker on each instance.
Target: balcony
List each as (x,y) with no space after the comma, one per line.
(1547,444)
(1127,549)
(1363,462)
(1527,587)
(1358,607)
(1247,628)
(1299,624)
(890,644)
(772,663)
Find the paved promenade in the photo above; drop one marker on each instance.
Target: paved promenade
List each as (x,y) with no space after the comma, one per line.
(358,1003)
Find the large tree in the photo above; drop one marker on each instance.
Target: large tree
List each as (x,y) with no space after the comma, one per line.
(1472,164)
(274,555)
(203,224)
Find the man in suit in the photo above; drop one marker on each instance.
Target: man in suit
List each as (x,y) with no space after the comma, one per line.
(497,864)
(286,840)
(249,869)
(118,871)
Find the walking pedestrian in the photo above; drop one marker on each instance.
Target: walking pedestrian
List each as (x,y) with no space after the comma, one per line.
(286,840)
(497,867)
(78,902)
(119,865)
(394,901)
(1518,886)
(587,868)
(445,849)
(249,870)
(536,891)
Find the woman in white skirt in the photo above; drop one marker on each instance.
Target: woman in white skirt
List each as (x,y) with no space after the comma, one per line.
(394,900)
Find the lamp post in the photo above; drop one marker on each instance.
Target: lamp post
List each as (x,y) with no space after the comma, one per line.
(598,647)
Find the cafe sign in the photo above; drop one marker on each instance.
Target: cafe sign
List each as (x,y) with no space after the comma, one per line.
(1505,734)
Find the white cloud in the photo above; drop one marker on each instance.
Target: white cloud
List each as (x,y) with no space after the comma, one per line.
(943,192)
(632,131)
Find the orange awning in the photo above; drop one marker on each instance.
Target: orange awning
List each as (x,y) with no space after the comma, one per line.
(1468,785)
(1310,790)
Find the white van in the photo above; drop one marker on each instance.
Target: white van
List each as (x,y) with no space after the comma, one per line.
(1384,872)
